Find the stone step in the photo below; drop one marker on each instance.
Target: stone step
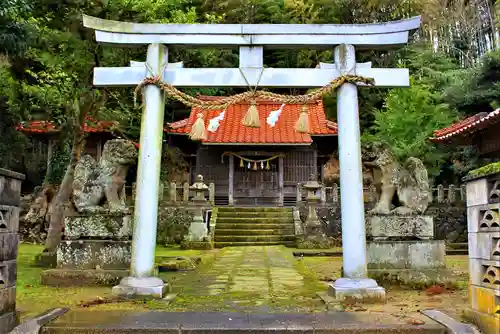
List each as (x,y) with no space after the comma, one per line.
(255,214)
(238,220)
(265,238)
(104,322)
(260,226)
(222,244)
(254,209)
(229,232)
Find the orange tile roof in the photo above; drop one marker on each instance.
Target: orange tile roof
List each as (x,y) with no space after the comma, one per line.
(38,127)
(232,131)
(466,126)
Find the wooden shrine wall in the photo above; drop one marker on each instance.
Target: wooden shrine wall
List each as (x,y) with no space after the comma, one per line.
(298,164)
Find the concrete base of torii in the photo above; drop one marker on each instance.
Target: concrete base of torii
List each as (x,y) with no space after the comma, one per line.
(353,290)
(130,287)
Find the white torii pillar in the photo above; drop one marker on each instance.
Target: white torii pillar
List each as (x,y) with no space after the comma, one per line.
(251,72)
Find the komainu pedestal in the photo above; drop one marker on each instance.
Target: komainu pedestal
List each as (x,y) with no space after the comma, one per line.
(393,226)
(96,251)
(403,249)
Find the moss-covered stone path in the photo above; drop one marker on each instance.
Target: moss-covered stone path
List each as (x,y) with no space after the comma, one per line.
(263,279)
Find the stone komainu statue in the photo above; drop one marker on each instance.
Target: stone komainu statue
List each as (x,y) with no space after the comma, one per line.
(409,182)
(99,183)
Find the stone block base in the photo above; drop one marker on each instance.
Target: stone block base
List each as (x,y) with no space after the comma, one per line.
(8,246)
(69,277)
(487,323)
(415,278)
(382,227)
(94,254)
(202,245)
(313,242)
(198,230)
(8,273)
(418,254)
(46,260)
(362,290)
(133,287)
(7,322)
(97,226)
(8,300)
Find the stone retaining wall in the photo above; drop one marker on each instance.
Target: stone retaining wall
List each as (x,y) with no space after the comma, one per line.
(450,222)
(10,194)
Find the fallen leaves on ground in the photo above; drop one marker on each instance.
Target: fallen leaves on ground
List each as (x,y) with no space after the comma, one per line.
(99,301)
(434,290)
(415,322)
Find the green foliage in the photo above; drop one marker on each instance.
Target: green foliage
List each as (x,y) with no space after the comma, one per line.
(477,89)
(407,121)
(12,141)
(486,170)
(15,32)
(58,163)
(173,164)
(434,69)
(173,225)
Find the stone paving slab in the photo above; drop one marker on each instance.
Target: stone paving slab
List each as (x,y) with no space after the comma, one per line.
(96,322)
(249,279)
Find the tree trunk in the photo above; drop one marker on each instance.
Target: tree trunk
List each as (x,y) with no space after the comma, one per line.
(91,106)
(55,230)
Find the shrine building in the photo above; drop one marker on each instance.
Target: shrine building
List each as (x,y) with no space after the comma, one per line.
(480,131)
(46,133)
(256,166)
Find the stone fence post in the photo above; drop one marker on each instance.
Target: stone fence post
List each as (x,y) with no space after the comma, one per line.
(10,198)
(299,193)
(172,196)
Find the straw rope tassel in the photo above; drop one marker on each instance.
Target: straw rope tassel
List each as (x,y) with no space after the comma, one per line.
(302,124)
(241,163)
(251,118)
(198,131)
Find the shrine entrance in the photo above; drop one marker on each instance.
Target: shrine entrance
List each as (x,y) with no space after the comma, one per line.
(256,180)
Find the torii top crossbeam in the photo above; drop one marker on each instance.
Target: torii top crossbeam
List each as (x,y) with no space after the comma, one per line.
(363,36)
(252,39)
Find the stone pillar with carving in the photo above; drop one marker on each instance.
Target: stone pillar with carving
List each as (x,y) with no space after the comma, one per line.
(483,221)
(10,196)
(198,231)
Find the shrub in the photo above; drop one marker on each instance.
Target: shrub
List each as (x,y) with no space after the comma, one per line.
(173,225)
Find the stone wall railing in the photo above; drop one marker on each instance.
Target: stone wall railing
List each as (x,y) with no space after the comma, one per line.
(330,195)
(483,220)
(176,194)
(10,198)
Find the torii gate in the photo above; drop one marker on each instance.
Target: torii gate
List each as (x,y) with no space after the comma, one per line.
(251,39)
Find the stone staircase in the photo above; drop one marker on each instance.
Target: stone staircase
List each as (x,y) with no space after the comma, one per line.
(237,226)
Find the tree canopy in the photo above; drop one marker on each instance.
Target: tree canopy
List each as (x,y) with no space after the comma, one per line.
(46,61)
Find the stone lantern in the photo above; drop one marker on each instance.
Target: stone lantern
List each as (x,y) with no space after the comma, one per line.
(198,230)
(199,189)
(313,226)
